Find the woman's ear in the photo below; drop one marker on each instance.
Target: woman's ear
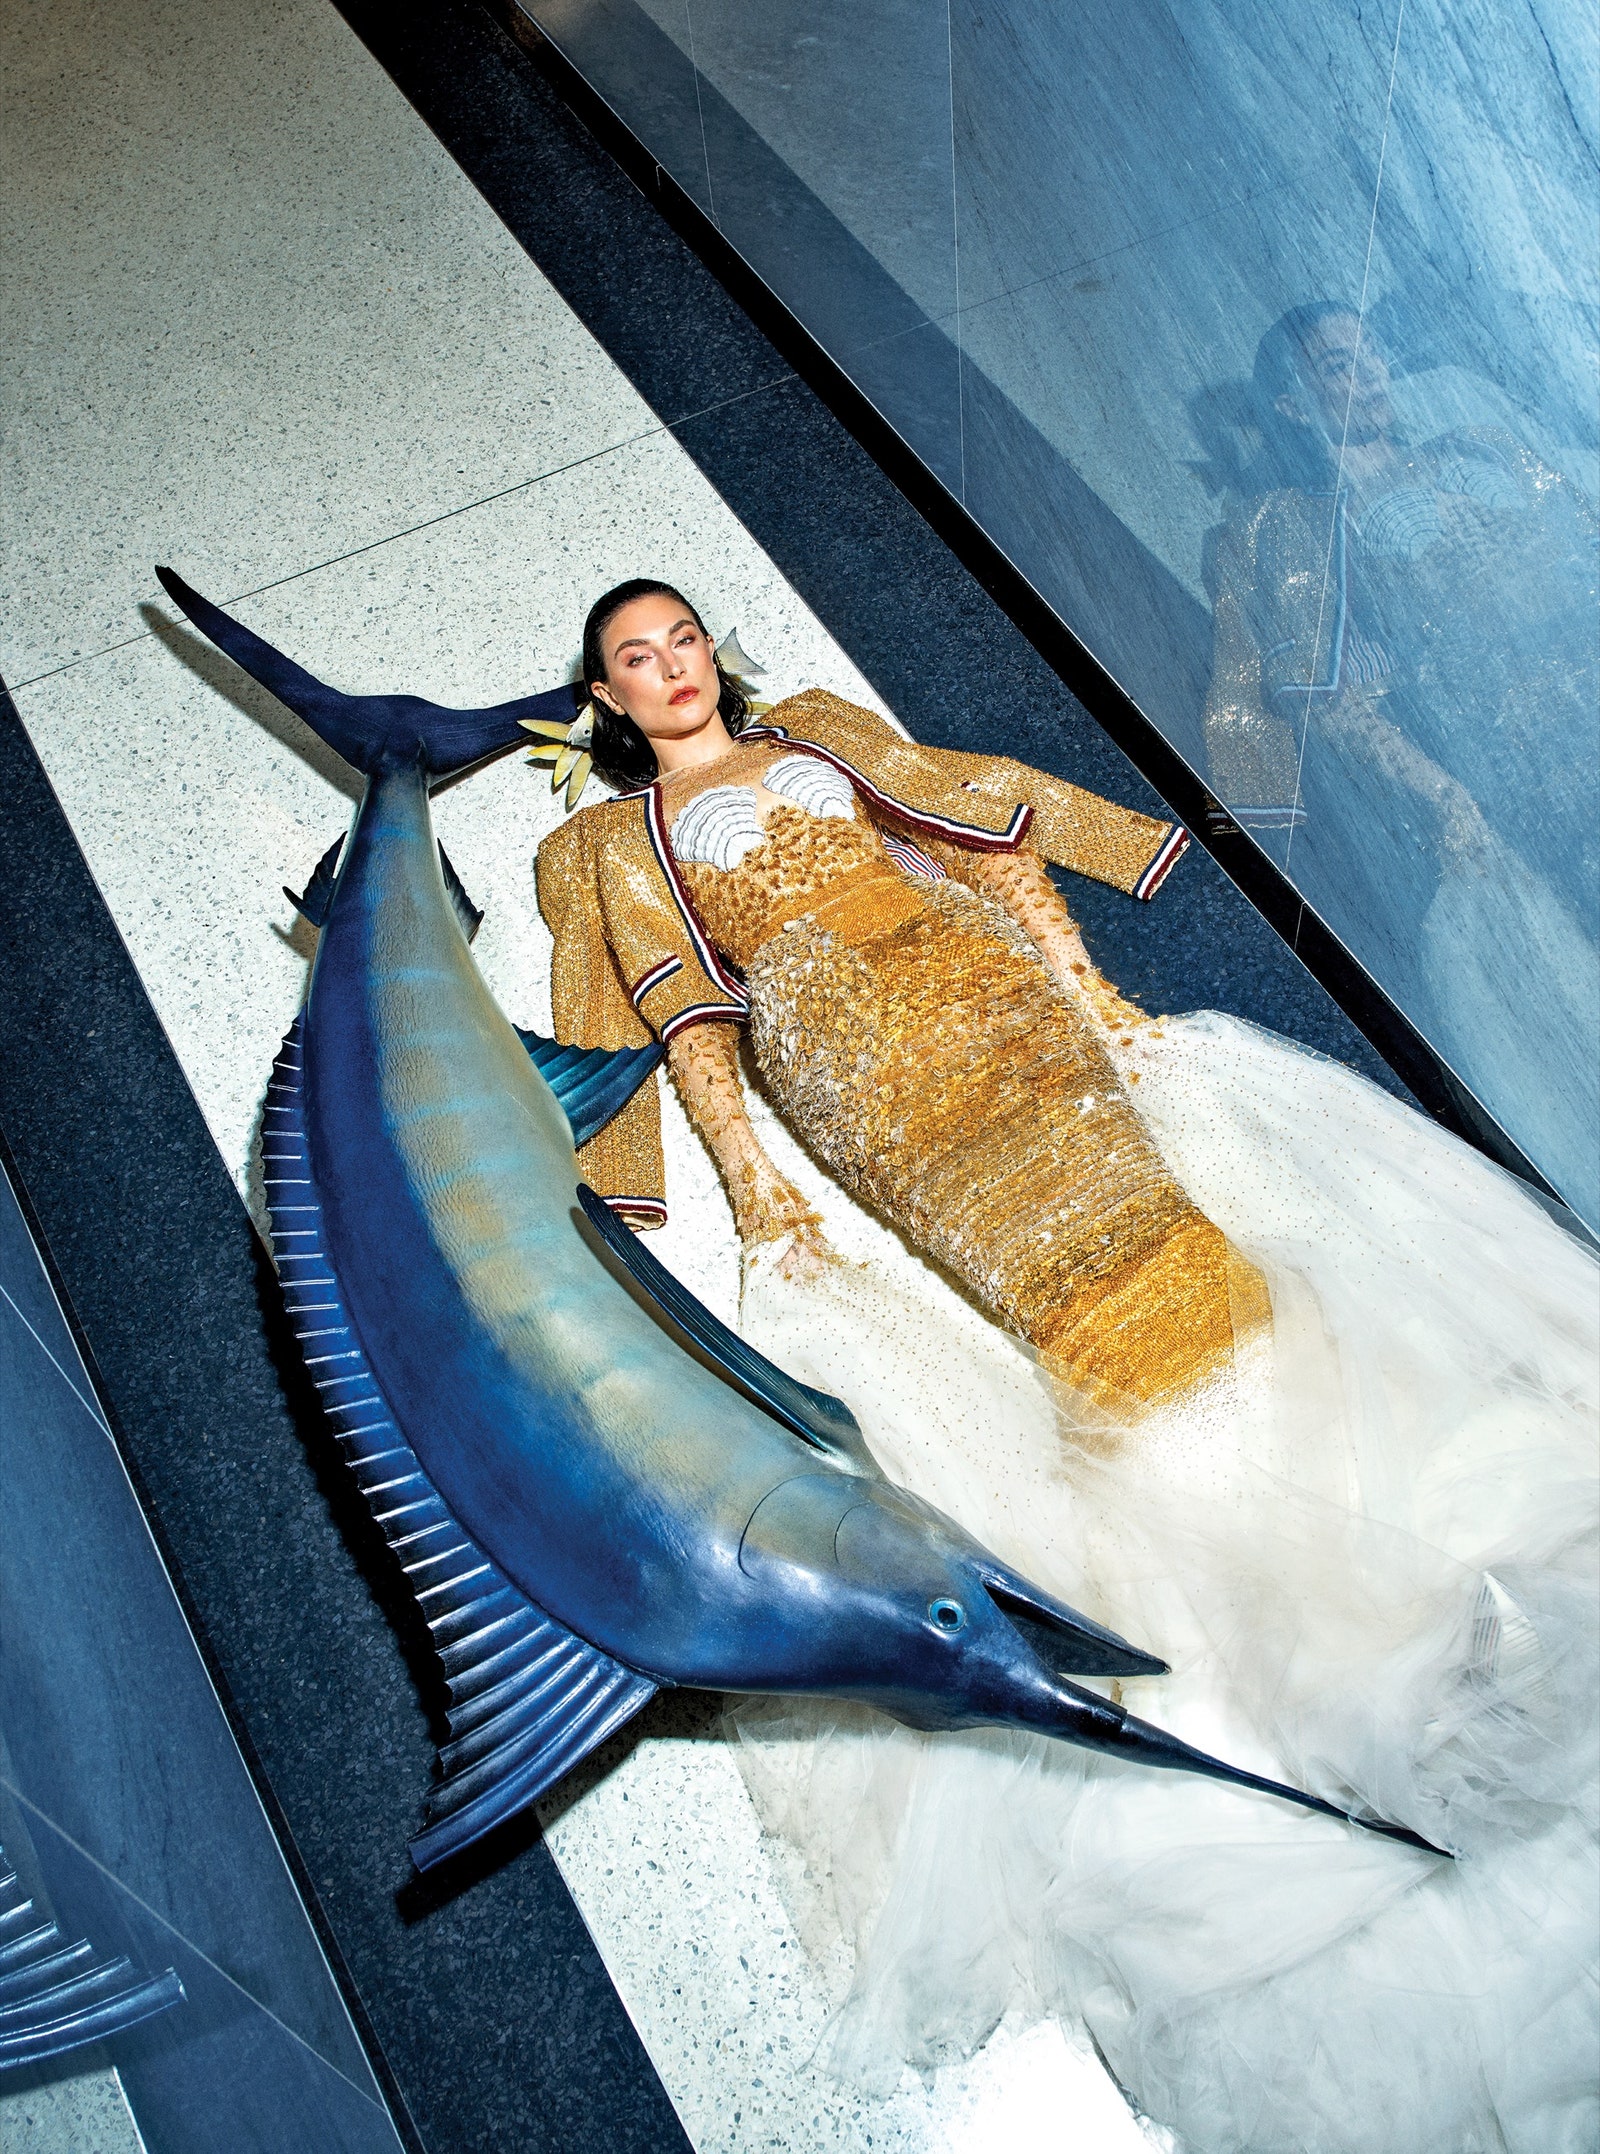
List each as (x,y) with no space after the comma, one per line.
(602,694)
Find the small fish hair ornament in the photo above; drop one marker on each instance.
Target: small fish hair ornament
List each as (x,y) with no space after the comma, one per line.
(567,747)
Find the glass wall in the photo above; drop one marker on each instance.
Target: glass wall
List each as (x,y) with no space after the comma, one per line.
(144,1897)
(1262,339)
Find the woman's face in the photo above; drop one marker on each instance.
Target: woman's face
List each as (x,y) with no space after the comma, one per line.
(1346,380)
(661,670)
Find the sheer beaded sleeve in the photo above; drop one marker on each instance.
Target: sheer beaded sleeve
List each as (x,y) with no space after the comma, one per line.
(1019,882)
(705,1067)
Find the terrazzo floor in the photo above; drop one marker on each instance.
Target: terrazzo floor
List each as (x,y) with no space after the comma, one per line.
(275,338)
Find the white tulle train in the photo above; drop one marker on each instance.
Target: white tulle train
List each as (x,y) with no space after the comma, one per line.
(1369,1556)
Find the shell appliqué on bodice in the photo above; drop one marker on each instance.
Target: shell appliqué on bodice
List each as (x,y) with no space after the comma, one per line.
(813,785)
(719,827)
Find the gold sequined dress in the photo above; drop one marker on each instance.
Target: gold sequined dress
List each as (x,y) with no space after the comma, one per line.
(911,1033)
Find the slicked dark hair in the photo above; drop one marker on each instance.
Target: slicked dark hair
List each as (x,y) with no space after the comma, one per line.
(623,756)
(1292,455)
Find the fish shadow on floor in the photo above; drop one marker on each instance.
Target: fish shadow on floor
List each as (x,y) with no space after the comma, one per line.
(254,702)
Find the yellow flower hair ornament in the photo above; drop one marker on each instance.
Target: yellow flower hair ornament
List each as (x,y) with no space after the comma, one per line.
(566,747)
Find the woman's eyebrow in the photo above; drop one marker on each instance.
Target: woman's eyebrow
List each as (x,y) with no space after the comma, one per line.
(672,631)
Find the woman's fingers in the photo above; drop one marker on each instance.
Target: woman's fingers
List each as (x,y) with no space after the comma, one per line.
(799,1252)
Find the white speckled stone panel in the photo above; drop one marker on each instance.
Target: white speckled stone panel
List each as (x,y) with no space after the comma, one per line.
(663,1852)
(79,2112)
(256,317)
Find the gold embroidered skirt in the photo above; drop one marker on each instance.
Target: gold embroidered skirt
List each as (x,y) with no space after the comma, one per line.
(930,1060)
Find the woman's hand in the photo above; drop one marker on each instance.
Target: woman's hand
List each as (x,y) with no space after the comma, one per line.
(1109,1007)
(767,1207)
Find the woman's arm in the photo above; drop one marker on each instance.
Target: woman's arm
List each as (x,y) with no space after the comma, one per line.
(704,1060)
(1357,717)
(1019,882)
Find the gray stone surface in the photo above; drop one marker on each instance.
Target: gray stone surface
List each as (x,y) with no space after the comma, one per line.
(85,2113)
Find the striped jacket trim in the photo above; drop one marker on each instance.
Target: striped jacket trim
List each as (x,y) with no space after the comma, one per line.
(912,858)
(1175,845)
(654,978)
(696,1014)
(703,947)
(938,826)
(652,1207)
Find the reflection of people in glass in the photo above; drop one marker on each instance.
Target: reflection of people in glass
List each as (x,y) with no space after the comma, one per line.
(1405,685)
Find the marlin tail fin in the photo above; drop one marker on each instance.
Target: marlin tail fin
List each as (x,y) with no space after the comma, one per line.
(372,732)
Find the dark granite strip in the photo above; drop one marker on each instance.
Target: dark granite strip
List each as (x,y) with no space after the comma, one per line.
(924,602)
(495,2021)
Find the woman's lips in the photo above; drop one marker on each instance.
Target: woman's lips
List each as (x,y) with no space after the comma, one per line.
(685,695)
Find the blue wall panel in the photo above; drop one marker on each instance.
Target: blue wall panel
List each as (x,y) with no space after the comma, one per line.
(125,1795)
(1262,339)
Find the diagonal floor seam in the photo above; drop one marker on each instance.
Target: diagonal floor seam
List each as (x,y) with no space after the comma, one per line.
(427,523)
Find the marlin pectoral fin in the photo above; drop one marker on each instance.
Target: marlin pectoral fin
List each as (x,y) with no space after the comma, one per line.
(592,1083)
(469,916)
(313,902)
(815,1416)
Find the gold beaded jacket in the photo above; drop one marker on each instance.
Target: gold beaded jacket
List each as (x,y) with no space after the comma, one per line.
(632,961)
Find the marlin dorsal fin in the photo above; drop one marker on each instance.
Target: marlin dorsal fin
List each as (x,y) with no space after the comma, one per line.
(468,915)
(315,899)
(591,1083)
(815,1416)
(313,902)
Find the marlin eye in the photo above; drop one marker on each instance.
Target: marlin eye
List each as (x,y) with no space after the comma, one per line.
(948,1616)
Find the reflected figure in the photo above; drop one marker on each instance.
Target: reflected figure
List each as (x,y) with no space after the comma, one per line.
(1403,708)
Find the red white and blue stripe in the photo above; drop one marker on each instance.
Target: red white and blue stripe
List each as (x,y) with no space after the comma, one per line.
(938,826)
(1173,847)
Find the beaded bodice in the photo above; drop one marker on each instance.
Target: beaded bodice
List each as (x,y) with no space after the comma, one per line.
(915,1037)
(785,842)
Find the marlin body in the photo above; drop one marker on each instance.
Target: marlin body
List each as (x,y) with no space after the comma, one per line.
(595,1488)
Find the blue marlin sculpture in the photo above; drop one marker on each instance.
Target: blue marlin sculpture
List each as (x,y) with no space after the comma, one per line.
(597,1490)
